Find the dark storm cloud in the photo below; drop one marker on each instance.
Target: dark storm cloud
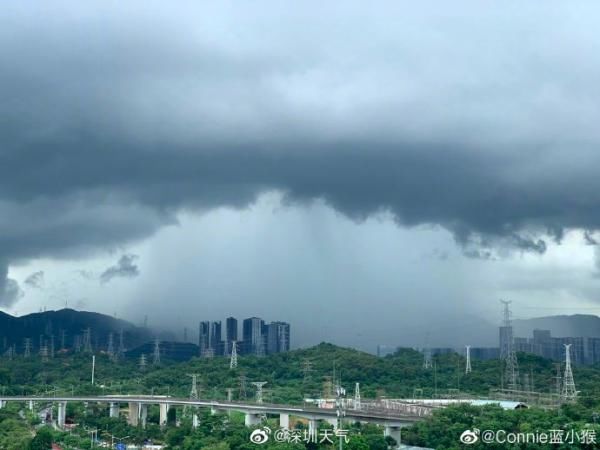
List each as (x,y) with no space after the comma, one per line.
(10,291)
(482,122)
(125,268)
(35,280)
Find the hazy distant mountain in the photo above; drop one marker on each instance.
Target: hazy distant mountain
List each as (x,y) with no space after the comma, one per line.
(13,330)
(560,326)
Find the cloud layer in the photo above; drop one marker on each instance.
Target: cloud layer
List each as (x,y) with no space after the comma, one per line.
(481,120)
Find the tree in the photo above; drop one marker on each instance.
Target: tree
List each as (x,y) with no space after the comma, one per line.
(42,440)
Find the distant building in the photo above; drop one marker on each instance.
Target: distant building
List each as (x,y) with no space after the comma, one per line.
(204,337)
(231,333)
(252,331)
(278,337)
(485,353)
(231,326)
(215,341)
(584,350)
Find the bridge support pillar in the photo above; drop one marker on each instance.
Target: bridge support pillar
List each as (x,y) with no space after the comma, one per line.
(252,419)
(333,423)
(62,414)
(195,421)
(113,410)
(284,421)
(2,403)
(134,414)
(143,414)
(394,432)
(164,411)
(313,430)
(30,405)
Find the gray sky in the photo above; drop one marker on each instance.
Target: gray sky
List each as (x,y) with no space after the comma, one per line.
(365,173)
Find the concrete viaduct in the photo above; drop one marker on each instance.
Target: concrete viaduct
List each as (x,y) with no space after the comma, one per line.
(391,419)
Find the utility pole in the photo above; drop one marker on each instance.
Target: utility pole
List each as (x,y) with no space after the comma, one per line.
(569,393)
(340,393)
(93,368)
(468,366)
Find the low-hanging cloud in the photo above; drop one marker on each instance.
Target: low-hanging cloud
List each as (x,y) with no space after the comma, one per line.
(35,280)
(10,291)
(125,268)
(468,118)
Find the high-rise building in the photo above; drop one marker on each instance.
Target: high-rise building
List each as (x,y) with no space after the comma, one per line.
(278,337)
(204,337)
(252,331)
(231,332)
(215,342)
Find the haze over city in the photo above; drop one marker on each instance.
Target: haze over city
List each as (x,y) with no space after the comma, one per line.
(370,174)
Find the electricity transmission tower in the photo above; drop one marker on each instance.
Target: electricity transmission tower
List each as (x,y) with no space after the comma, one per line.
(121,350)
(143,363)
(156,356)
(111,346)
(427,363)
(259,390)
(558,379)
(357,396)
(87,340)
(468,366)
(44,353)
(507,350)
(233,362)
(242,394)
(27,348)
(63,338)
(306,369)
(569,393)
(194,390)
(10,353)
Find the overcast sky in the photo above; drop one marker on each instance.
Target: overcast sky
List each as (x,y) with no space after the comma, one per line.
(369,174)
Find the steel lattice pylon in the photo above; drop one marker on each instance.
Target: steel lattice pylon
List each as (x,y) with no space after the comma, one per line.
(507,350)
(569,392)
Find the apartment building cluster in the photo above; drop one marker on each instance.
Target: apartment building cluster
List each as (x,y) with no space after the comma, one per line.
(257,337)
